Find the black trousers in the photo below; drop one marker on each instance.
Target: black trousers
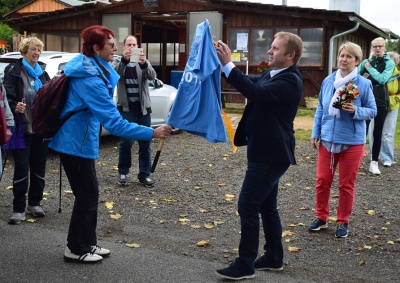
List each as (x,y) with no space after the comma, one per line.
(81,173)
(379,121)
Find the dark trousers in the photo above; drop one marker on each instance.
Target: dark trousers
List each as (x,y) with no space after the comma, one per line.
(81,173)
(125,147)
(379,121)
(30,163)
(259,196)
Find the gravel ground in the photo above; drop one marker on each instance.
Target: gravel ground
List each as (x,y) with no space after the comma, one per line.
(195,199)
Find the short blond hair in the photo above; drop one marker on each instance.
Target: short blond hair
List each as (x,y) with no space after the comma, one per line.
(293,44)
(30,41)
(379,39)
(353,49)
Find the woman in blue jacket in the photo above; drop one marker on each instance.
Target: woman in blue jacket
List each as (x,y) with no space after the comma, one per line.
(90,95)
(341,132)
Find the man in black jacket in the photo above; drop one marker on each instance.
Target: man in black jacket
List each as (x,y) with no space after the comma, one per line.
(267,130)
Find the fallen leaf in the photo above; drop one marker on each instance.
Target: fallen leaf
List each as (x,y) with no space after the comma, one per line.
(45,194)
(68,191)
(287,240)
(218,222)
(332,218)
(161,221)
(292,225)
(384,228)
(31,220)
(183,221)
(208,226)
(293,249)
(287,233)
(222,185)
(195,226)
(9,188)
(361,262)
(308,188)
(197,187)
(133,245)
(303,208)
(115,216)
(55,171)
(390,243)
(203,210)
(109,204)
(202,243)
(371,212)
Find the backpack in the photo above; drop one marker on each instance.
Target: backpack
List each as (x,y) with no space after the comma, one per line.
(47,105)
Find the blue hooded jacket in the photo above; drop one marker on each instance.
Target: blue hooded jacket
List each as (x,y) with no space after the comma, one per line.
(349,129)
(90,92)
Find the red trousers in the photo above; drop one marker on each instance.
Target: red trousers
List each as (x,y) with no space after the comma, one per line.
(349,161)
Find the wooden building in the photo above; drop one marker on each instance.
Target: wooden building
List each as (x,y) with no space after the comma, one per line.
(165,28)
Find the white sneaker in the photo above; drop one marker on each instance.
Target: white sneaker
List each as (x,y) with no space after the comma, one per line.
(86,258)
(387,164)
(100,251)
(373,168)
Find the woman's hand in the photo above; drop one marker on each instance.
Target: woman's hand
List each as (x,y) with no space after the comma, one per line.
(314,143)
(20,108)
(349,108)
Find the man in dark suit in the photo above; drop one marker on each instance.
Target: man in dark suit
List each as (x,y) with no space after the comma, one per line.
(267,130)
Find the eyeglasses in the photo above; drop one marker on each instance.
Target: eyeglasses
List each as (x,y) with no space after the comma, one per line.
(377,46)
(111,44)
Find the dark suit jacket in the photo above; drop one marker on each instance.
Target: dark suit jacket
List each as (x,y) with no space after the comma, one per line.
(267,122)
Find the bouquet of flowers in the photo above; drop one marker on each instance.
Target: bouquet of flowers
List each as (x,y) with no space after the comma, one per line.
(264,66)
(346,94)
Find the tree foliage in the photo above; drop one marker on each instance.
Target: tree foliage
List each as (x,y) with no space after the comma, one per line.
(6,33)
(9,5)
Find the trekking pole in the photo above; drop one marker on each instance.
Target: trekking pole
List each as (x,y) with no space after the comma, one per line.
(4,162)
(59,200)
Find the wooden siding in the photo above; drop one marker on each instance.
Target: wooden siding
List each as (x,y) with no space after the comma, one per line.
(42,6)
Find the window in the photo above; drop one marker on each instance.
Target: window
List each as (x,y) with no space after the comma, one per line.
(261,40)
(53,42)
(312,41)
(172,54)
(120,24)
(71,43)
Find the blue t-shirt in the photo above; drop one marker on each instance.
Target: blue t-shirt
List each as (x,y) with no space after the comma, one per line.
(197,107)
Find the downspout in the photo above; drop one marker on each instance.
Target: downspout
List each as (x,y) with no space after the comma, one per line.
(331,45)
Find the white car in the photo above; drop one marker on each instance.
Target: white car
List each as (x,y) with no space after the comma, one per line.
(162,95)
(45,57)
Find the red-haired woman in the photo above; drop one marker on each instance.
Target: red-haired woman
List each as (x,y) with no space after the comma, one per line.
(90,96)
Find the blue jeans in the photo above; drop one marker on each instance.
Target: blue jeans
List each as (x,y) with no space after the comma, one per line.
(125,147)
(388,132)
(29,170)
(259,196)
